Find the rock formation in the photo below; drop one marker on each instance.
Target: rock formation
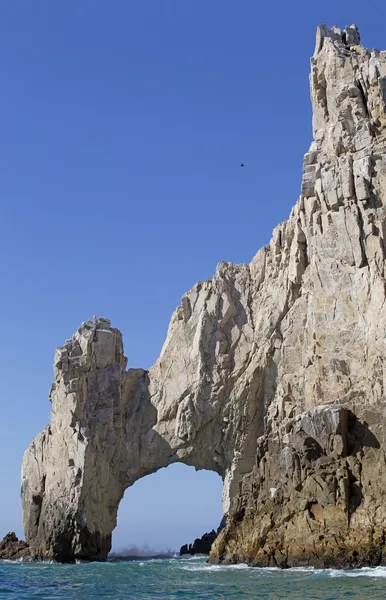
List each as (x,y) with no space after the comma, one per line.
(272,373)
(200,545)
(11,548)
(203,544)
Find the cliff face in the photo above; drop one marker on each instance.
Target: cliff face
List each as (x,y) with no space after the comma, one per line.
(272,374)
(316,492)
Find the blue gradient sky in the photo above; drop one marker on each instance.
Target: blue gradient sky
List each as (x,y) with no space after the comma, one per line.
(123,126)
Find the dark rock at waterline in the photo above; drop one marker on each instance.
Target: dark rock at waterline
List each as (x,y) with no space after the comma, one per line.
(12,548)
(200,545)
(203,545)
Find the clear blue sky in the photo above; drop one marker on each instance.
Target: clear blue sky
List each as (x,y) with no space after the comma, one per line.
(123,125)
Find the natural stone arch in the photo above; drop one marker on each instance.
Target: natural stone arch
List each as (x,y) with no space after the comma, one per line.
(295,341)
(198,405)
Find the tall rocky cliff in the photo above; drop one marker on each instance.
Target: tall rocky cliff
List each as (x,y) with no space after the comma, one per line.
(272,373)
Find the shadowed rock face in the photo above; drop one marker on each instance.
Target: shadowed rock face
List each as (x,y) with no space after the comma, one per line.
(200,545)
(272,374)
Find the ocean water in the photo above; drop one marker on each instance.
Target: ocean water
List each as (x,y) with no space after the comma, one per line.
(187,578)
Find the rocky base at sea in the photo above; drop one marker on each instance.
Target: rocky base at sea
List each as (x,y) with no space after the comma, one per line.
(11,548)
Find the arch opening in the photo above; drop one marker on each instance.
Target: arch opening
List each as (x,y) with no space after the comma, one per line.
(165,510)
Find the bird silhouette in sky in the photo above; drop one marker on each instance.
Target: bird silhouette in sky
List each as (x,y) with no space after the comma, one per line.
(241,164)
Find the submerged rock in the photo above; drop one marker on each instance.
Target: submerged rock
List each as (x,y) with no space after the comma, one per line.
(272,374)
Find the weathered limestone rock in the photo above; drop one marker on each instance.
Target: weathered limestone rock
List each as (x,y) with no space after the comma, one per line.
(272,374)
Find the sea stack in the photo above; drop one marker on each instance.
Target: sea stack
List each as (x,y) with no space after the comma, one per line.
(272,374)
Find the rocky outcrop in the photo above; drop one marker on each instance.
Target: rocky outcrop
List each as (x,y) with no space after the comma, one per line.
(272,373)
(203,544)
(316,492)
(200,545)
(11,548)
(110,427)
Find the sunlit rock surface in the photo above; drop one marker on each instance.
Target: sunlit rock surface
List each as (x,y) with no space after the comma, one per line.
(272,374)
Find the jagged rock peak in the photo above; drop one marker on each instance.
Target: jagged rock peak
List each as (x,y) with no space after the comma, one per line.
(272,373)
(95,344)
(348,91)
(348,37)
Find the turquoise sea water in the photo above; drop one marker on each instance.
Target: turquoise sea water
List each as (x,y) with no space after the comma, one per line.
(188,578)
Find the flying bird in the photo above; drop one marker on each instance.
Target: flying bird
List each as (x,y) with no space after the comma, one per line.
(241,164)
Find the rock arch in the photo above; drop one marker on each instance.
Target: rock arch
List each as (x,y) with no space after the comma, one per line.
(109,427)
(273,374)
